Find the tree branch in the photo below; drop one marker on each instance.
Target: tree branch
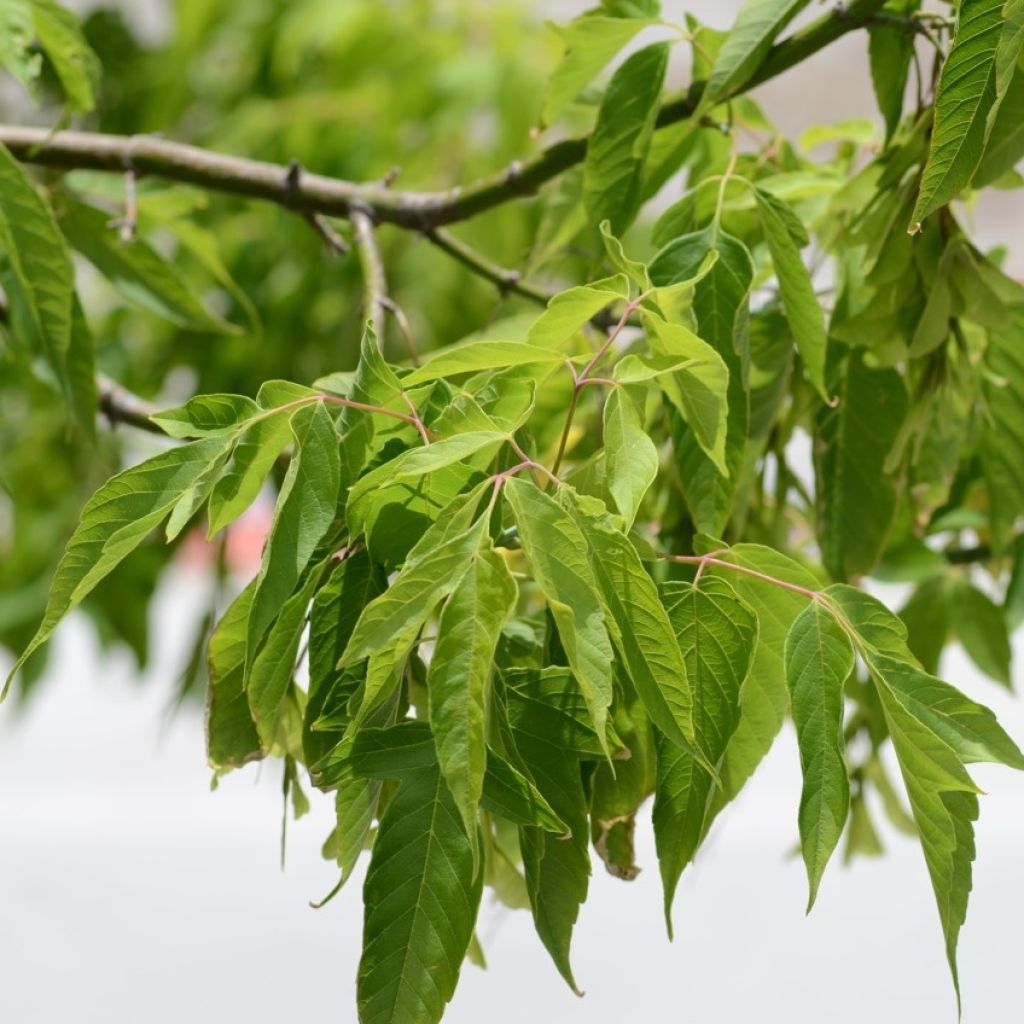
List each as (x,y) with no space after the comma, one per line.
(375,284)
(120,405)
(421,211)
(506,280)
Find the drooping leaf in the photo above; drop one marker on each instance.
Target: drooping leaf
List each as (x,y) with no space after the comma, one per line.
(74,61)
(856,494)
(891,49)
(819,658)
(1004,397)
(764,697)
(720,303)
(16,32)
(420,900)
(640,627)
(966,97)
(981,629)
(336,607)
(273,668)
(700,390)
(558,556)
(231,737)
(417,590)
(935,730)
(717,633)
(459,676)
(136,268)
(756,27)
(38,277)
(306,508)
(803,311)
(115,521)
(557,869)
(631,455)
(617,147)
(618,791)
(590,41)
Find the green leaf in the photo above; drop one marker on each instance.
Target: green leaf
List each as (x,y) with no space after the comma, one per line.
(641,629)
(764,697)
(935,730)
(506,791)
(819,659)
(474,356)
(568,311)
(631,456)
(252,459)
(548,705)
(137,269)
(891,49)
(417,590)
(927,617)
(273,668)
(1004,147)
(231,737)
(420,900)
(717,633)
(306,508)
(756,27)
(74,61)
(16,33)
(617,791)
(557,869)
(206,416)
(981,629)
(39,279)
(803,311)
(617,147)
(118,517)
(857,496)
(558,556)
(336,606)
(700,390)
(458,679)
(445,452)
(965,99)
(406,749)
(355,805)
(1003,391)
(720,303)
(590,43)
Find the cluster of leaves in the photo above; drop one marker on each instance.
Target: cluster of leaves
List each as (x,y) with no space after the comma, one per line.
(571,562)
(218,294)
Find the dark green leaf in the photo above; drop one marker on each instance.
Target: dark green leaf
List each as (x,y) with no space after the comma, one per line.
(717,633)
(856,494)
(819,658)
(617,148)
(420,901)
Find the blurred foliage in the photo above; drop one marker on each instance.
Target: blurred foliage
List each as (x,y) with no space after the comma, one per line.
(438,91)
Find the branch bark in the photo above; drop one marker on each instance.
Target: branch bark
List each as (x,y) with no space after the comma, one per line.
(375,284)
(421,211)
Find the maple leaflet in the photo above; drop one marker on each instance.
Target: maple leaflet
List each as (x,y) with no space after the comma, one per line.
(568,568)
